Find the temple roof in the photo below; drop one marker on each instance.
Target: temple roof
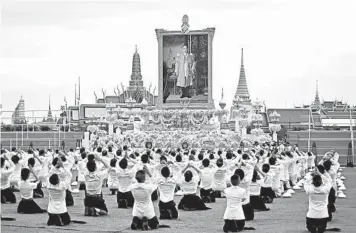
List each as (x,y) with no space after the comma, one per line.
(136,67)
(242,90)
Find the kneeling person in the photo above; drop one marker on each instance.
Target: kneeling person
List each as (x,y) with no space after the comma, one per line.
(166,186)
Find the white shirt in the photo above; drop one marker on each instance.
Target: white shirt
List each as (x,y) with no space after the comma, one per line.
(26,189)
(268,179)
(5,177)
(143,206)
(234,198)
(57,195)
(125,179)
(166,188)
(94,180)
(276,169)
(318,198)
(255,188)
(190,187)
(207,176)
(219,180)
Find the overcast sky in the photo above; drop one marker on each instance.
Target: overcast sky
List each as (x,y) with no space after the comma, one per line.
(288,45)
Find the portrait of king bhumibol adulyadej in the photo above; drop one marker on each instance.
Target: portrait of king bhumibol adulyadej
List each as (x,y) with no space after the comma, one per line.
(185,71)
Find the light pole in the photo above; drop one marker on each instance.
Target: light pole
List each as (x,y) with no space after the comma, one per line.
(352,138)
(275,126)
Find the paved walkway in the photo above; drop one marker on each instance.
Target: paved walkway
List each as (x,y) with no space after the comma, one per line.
(286,216)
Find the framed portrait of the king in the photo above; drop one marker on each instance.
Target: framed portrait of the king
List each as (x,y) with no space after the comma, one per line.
(185,67)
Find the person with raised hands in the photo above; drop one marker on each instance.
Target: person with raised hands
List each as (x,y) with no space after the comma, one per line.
(7,195)
(93,201)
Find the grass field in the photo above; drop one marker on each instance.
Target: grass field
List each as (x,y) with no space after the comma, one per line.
(286,215)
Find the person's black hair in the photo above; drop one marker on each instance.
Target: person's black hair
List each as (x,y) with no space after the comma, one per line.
(178,158)
(219,152)
(206,162)
(321,168)
(133,156)
(253,150)
(262,152)
(235,180)
(55,161)
(82,150)
(41,152)
(255,176)
(31,161)
(99,149)
(317,181)
(104,153)
(25,173)
(110,149)
(272,161)
(56,151)
(91,166)
(13,149)
(165,172)
(30,151)
(229,155)
(219,162)
(239,151)
(163,158)
(71,150)
(113,162)
(245,157)
(140,176)
(158,151)
(240,173)
(309,153)
(144,158)
(200,156)
(124,148)
(327,165)
(54,179)
(289,154)
(123,163)
(91,157)
(2,162)
(118,152)
(83,155)
(188,176)
(15,159)
(178,149)
(211,156)
(265,167)
(63,158)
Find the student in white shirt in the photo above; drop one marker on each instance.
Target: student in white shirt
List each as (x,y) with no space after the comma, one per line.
(219,179)
(82,168)
(189,186)
(317,187)
(276,181)
(166,186)
(125,176)
(93,201)
(245,184)
(37,192)
(267,193)
(234,215)
(255,191)
(207,176)
(311,160)
(144,216)
(7,195)
(112,177)
(331,169)
(27,205)
(57,209)
(15,177)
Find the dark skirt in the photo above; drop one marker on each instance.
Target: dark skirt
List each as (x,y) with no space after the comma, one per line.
(94,201)
(82,186)
(125,200)
(7,195)
(29,206)
(317,224)
(144,223)
(192,202)
(217,194)
(248,212)
(69,198)
(58,219)
(167,210)
(267,194)
(154,196)
(37,192)
(233,225)
(207,195)
(257,203)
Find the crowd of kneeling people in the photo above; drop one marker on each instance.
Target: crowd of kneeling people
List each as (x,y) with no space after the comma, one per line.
(248,179)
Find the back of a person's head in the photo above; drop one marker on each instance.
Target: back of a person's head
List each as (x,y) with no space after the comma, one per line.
(15,159)
(211,156)
(91,157)
(140,176)
(54,179)
(219,162)
(239,151)
(163,158)
(110,149)
(235,180)
(118,152)
(228,155)
(104,153)
(191,157)
(265,167)
(255,176)
(113,162)
(41,153)
(272,161)
(123,163)
(262,152)
(240,173)
(317,180)
(71,150)
(25,173)
(309,153)
(178,158)
(99,149)
(13,149)
(206,162)
(91,166)
(173,153)
(245,157)
(83,155)
(327,165)
(188,176)
(124,148)
(144,158)
(165,172)
(82,150)
(31,162)
(200,156)
(321,168)
(220,152)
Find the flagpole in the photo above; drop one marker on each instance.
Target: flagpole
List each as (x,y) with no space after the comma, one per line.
(352,137)
(309,129)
